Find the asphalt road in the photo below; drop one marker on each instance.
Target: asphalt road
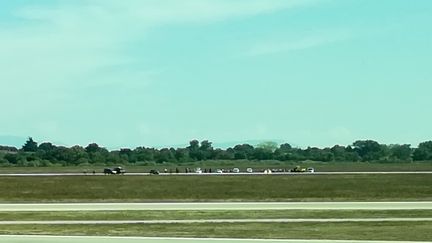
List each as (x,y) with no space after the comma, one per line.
(218,206)
(79,239)
(222,174)
(201,221)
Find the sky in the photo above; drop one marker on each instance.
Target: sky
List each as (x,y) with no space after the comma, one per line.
(159,73)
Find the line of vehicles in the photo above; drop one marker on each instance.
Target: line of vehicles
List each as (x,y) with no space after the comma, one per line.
(298,169)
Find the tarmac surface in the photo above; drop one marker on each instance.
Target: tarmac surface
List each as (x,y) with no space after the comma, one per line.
(94,239)
(198,221)
(220,174)
(425,205)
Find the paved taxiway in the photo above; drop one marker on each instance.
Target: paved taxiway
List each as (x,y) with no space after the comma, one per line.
(425,205)
(219,174)
(201,221)
(94,239)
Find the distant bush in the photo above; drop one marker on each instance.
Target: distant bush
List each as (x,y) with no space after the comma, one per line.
(203,154)
(46,163)
(4,163)
(145,163)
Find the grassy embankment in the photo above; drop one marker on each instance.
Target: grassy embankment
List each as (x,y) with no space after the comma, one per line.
(309,187)
(257,165)
(216,188)
(412,231)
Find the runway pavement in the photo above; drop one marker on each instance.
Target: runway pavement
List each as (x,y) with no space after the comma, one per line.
(94,239)
(218,206)
(218,174)
(203,221)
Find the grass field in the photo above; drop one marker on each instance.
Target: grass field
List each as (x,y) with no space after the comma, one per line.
(214,188)
(257,165)
(231,214)
(413,231)
(308,187)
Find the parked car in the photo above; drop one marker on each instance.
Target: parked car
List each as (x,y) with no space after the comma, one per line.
(249,170)
(154,172)
(298,169)
(236,170)
(311,170)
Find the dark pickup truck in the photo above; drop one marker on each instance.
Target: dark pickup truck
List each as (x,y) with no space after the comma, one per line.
(114,171)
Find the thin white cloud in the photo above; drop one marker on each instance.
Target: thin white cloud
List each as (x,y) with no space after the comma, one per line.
(294,44)
(152,12)
(70,40)
(57,45)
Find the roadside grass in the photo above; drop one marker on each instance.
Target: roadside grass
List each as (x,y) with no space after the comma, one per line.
(412,231)
(177,215)
(388,187)
(241,164)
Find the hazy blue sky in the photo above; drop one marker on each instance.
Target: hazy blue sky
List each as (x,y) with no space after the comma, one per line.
(150,72)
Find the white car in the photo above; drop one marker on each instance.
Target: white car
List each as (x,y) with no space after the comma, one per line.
(219,171)
(236,170)
(310,170)
(249,170)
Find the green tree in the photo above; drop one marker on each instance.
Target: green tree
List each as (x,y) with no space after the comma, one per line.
(221,154)
(194,151)
(265,150)
(92,148)
(182,155)
(339,153)
(97,154)
(143,154)
(125,154)
(30,145)
(165,155)
(369,150)
(283,152)
(401,152)
(46,147)
(8,148)
(423,151)
(206,150)
(268,146)
(243,151)
(317,154)
(3,161)
(262,154)
(77,155)
(12,158)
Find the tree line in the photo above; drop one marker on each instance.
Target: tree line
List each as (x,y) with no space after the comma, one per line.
(47,154)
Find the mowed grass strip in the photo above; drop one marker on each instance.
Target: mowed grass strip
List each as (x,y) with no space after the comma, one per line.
(178,215)
(412,231)
(213,188)
(242,165)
